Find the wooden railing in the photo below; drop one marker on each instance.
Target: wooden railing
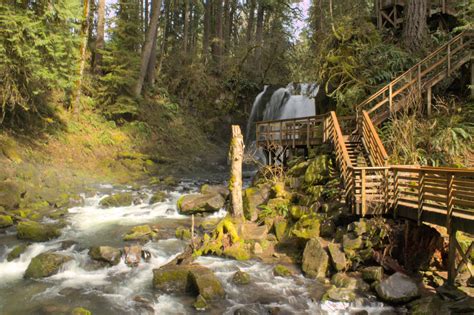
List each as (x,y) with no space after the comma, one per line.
(371,141)
(333,134)
(447,191)
(435,67)
(305,131)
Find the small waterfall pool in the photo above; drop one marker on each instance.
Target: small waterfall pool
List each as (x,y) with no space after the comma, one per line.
(124,290)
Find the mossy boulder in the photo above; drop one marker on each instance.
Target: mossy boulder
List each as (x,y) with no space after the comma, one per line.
(182,233)
(338,258)
(105,254)
(315,192)
(281,271)
(80,311)
(5,221)
(241,278)
(16,252)
(170,181)
(142,233)
(192,278)
(253,197)
(280,225)
(158,196)
(45,265)
(207,284)
(358,228)
(328,228)
(199,203)
(339,295)
(238,251)
(342,280)
(318,170)
(215,189)
(10,194)
(371,274)
(37,232)
(117,200)
(315,259)
(307,227)
(398,288)
(350,242)
(298,169)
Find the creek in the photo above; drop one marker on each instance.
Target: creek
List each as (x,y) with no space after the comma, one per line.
(124,290)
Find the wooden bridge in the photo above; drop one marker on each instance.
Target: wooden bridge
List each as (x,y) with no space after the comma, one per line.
(389,13)
(436,195)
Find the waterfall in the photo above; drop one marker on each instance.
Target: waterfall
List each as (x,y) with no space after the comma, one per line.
(293,101)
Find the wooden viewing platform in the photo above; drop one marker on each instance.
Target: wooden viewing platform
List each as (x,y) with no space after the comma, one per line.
(389,13)
(436,195)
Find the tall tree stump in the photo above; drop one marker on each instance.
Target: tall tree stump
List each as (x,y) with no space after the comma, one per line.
(236,156)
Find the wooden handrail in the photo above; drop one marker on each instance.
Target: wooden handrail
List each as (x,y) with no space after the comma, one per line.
(426,73)
(371,141)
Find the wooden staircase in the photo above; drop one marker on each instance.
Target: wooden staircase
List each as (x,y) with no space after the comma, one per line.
(419,79)
(357,153)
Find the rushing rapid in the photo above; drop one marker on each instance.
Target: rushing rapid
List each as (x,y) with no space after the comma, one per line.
(122,289)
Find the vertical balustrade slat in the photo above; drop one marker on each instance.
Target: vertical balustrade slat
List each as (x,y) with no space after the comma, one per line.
(449,200)
(421,188)
(449,59)
(363,196)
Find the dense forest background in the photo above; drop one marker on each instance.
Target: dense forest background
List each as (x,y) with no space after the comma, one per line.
(100,80)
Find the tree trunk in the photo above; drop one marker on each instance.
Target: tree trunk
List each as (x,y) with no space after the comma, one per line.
(83,50)
(207,28)
(251,21)
(415,30)
(186,26)
(146,15)
(236,156)
(225,30)
(232,34)
(99,44)
(148,46)
(217,40)
(259,33)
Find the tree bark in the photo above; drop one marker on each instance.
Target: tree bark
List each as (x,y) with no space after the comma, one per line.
(207,28)
(236,156)
(415,30)
(259,33)
(146,15)
(225,27)
(99,44)
(148,46)
(186,26)
(83,50)
(251,21)
(217,40)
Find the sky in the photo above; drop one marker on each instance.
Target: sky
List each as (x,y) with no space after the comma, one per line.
(301,22)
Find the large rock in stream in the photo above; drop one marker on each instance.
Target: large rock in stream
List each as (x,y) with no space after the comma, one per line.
(117,200)
(106,254)
(45,265)
(254,197)
(194,279)
(199,203)
(37,232)
(398,288)
(315,259)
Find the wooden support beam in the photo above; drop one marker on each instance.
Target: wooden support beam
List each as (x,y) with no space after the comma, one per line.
(472,76)
(363,193)
(452,256)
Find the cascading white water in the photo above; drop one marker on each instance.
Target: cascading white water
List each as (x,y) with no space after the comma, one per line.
(123,290)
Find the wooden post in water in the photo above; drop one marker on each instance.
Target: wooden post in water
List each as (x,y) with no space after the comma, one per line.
(236,156)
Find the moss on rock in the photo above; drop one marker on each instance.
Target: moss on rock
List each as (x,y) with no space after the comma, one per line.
(307,227)
(241,278)
(16,252)
(80,311)
(37,232)
(159,196)
(5,221)
(45,265)
(141,233)
(281,271)
(117,200)
(183,233)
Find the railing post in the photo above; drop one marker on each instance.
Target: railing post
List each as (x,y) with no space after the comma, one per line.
(449,199)
(386,189)
(395,193)
(421,188)
(281,133)
(307,134)
(363,196)
(294,133)
(452,256)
